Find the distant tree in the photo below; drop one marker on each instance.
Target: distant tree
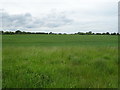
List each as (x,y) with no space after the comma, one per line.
(28,32)
(60,33)
(11,33)
(50,33)
(107,33)
(118,34)
(64,33)
(18,32)
(40,33)
(89,33)
(103,33)
(81,33)
(1,32)
(6,32)
(113,33)
(98,34)
(23,32)
(78,33)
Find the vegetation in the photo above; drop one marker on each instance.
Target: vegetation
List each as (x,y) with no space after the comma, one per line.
(60,61)
(79,33)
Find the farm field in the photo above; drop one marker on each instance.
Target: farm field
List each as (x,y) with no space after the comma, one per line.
(60,61)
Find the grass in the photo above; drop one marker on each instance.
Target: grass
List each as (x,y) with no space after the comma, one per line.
(60,61)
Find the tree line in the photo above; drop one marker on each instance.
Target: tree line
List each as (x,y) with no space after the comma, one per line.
(78,33)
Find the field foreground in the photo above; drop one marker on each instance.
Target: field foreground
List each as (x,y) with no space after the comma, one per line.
(60,61)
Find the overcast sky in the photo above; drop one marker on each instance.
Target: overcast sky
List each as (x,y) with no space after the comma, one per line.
(67,16)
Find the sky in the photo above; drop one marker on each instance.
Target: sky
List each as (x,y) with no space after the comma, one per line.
(64,16)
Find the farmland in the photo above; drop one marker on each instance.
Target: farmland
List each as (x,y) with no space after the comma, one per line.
(60,61)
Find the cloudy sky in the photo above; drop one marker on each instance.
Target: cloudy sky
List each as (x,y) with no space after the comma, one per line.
(67,16)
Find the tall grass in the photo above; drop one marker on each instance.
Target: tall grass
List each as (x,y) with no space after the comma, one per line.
(89,66)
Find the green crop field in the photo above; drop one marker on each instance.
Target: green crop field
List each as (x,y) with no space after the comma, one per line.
(60,61)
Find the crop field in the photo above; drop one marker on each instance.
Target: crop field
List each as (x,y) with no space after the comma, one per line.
(60,61)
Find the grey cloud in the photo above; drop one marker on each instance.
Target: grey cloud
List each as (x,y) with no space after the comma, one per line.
(15,20)
(28,21)
(56,20)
